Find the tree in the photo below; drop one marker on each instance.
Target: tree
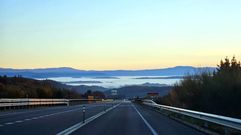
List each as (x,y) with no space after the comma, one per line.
(218,92)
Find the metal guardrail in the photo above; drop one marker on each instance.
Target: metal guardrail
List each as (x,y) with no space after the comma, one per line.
(17,102)
(217,119)
(31,102)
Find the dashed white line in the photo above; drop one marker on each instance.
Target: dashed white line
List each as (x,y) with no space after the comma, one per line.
(147,124)
(34,118)
(27,119)
(9,123)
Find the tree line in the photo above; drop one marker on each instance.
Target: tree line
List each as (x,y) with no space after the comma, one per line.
(217,92)
(19,87)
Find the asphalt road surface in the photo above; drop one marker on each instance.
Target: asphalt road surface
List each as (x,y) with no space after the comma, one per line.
(124,118)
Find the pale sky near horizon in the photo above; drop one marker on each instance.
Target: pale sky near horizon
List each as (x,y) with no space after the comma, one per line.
(118,34)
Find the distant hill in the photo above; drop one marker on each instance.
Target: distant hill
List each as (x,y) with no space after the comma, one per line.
(48,72)
(83,88)
(70,72)
(19,87)
(79,88)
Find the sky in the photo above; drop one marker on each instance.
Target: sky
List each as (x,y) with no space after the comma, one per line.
(118,34)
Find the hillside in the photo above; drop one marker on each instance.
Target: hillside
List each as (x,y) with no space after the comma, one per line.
(79,88)
(18,87)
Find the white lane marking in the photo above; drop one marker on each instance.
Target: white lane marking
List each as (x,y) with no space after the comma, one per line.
(27,119)
(34,118)
(147,124)
(9,123)
(81,124)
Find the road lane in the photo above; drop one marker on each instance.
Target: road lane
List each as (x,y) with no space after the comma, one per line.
(132,119)
(26,114)
(123,120)
(51,124)
(164,125)
(147,123)
(86,121)
(29,113)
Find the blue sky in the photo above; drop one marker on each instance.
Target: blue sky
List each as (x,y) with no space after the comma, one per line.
(118,34)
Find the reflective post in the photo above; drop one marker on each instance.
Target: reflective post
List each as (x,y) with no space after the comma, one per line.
(105,107)
(83,114)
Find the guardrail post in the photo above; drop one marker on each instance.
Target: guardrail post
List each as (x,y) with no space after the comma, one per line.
(105,107)
(67,102)
(83,114)
(28,103)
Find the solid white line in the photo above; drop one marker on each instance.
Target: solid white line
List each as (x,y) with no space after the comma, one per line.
(147,124)
(81,124)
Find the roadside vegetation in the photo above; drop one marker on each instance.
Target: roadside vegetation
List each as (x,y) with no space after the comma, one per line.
(19,87)
(217,92)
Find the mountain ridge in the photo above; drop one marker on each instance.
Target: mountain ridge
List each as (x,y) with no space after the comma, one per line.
(71,72)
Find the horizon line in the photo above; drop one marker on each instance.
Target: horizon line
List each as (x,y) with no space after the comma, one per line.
(106,69)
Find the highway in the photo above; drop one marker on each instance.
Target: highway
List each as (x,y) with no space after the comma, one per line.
(124,118)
